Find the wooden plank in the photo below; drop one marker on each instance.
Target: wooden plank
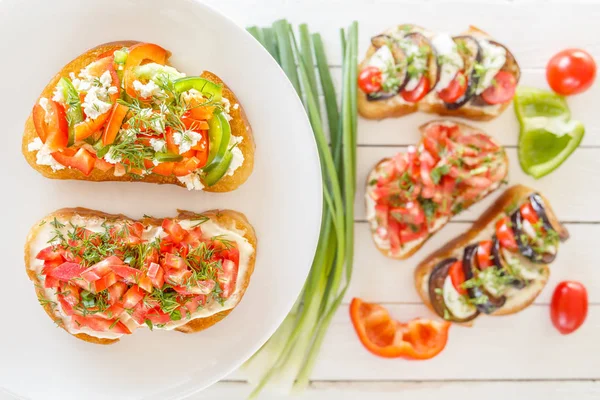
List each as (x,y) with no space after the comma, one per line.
(497,390)
(381,279)
(569,188)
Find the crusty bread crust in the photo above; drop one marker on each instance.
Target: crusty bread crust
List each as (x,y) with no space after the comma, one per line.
(392,107)
(226,218)
(404,255)
(239,127)
(511,196)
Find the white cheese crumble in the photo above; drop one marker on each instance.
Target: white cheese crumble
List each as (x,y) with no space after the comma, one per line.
(92,105)
(238,156)
(451,62)
(190,95)
(191,181)
(494,57)
(149,90)
(418,62)
(112,158)
(157,144)
(43,155)
(35,145)
(455,302)
(47,111)
(186,140)
(226,108)
(58,94)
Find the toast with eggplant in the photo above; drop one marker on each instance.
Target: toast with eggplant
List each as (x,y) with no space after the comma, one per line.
(408,68)
(412,195)
(120,112)
(497,267)
(101,276)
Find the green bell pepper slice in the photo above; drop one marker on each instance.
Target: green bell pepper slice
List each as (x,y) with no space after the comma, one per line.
(152,71)
(209,89)
(219,136)
(165,157)
(216,173)
(74,112)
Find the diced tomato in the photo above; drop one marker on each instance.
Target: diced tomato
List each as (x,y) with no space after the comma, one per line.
(51,282)
(50,265)
(159,280)
(145,283)
(227,278)
(411,213)
(117,115)
(67,271)
(172,261)
(195,302)
(153,270)
(82,160)
(114,311)
(186,167)
(99,324)
(529,214)
(177,276)
(409,233)
(100,269)
(136,230)
(103,165)
(394,235)
(133,296)
(505,234)
(105,282)
(193,237)
(66,307)
(457,276)
(231,253)
(157,316)
(129,274)
(50,253)
(116,291)
(484,254)
(54,133)
(174,230)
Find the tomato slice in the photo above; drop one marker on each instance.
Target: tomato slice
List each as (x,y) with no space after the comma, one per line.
(227,278)
(484,254)
(420,91)
(117,115)
(67,271)
(54,133)
(419,339)
(455,89)
(370,79)
(457,276)
(82,160)
(529,214)
(505,234)
(502,89)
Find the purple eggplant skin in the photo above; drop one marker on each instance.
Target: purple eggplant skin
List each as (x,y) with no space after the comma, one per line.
(499,263)
(548,218)
(473,78)
(436,281)
(511,66)
(433,65)
(399,55)
(525,249)
(469,264)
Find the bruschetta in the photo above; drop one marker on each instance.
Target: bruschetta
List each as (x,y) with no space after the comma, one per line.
(101,276)
(497,267)
(414,194)
(408,68)
(120,112)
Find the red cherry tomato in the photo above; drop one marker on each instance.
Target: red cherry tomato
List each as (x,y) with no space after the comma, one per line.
(370,80)
(571,71)
(569,306)
(456,88)
(457,276)
(418,92)
(505,234)
(529,214)
(502,89)
(484,252)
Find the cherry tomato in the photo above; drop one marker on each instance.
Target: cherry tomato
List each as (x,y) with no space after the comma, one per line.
(529,214)
(571,71)
(505,234)
(502,89)
(457,276)
(423,87)
(484,252)
(569,306)
(370,79)
(456,88)
(419,339)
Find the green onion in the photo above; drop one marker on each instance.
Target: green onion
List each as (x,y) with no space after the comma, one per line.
(290,354)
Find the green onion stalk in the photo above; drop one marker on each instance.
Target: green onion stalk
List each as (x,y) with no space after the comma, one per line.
(288,357)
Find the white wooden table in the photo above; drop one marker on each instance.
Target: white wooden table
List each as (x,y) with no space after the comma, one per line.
(519,356)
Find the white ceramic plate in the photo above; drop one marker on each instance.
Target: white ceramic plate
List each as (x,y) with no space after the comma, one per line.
(282,199)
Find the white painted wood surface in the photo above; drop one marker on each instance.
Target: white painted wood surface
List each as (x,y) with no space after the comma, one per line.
(519,356)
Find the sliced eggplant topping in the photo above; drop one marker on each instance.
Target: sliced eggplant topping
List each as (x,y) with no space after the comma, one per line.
(470,50)
(436,286)
(510,65)
(524,242)
(400,74)
(432,66)
(548,217)
(484,301)
(522,266)
(503,266)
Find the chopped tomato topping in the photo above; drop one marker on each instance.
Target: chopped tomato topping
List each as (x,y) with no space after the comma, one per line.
(82,160)
(484,254)
(505,234)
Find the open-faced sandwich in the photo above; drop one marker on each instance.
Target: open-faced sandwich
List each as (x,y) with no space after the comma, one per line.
(499,266)
(119,112)
(414,194)
(102,276)
(408,68)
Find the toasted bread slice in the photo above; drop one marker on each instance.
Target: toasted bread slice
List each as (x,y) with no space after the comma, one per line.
(417,244)
(226,219)
(524,297)
(239,127)
(474,109)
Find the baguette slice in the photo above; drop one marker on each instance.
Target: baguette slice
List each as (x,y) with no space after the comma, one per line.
(515,195)
(406,253)
(239,127)
(226,219)
(396,107)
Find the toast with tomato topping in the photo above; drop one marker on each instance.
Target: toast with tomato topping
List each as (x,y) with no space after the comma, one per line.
(497,267)
(414,194)
(408,68)
(101,276)
(120,112)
